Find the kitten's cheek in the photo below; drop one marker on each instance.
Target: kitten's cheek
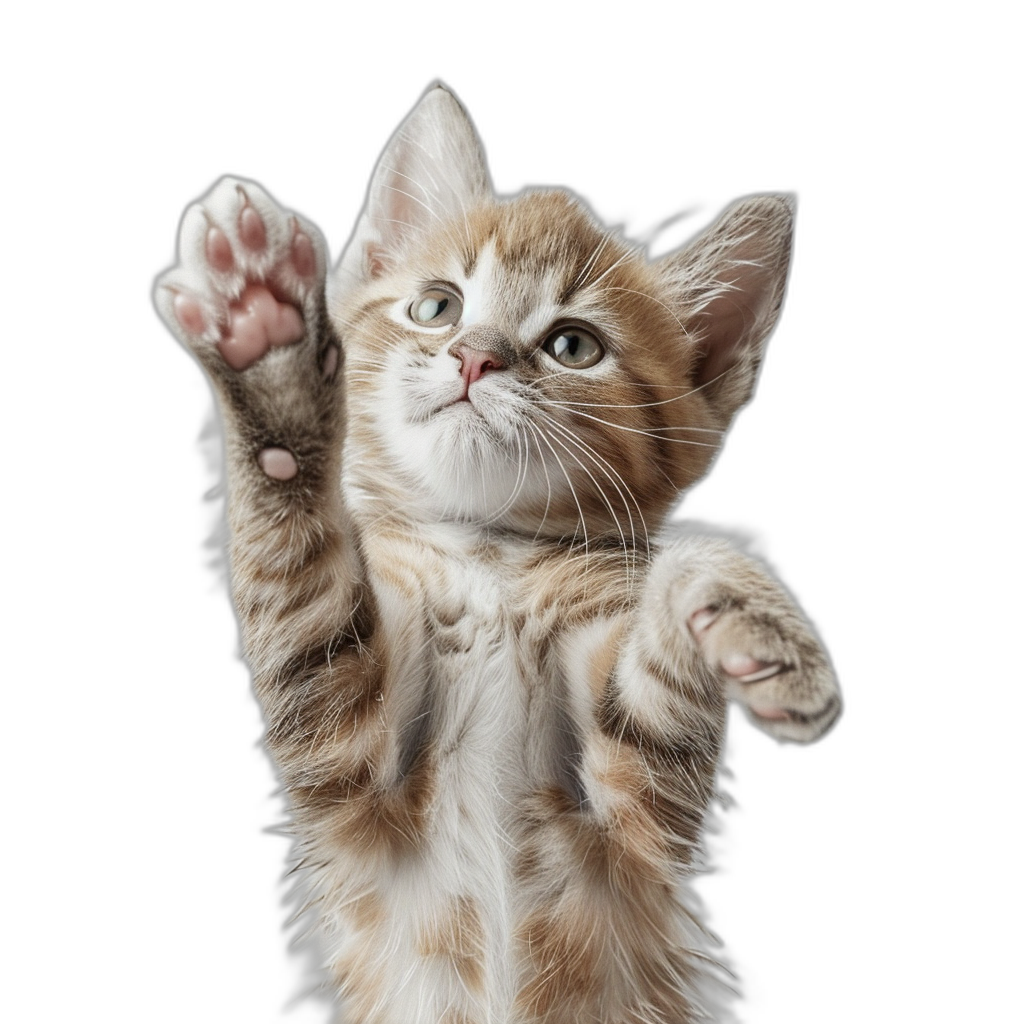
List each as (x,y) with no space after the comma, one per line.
(278,463)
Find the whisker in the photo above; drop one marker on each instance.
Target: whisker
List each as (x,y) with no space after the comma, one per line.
(645,295)
(628,254)
(600,490)
(582,520)
(591,261)
(637,430)
(637,405)
(610,472)
(543,466)
(520,481)
(420,202)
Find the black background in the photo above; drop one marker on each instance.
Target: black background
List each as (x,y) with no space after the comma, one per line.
(793,891)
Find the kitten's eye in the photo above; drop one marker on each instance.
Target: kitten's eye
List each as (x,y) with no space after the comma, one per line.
(574,347)
(436,307)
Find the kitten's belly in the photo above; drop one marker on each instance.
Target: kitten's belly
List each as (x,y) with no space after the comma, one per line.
(467,866)
(444,942)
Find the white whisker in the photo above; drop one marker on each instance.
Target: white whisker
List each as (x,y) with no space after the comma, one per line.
(611,509)
(636,430)
(544,466)
(591,261)
(582,519)
(628,254)
(671,312)
(610,472)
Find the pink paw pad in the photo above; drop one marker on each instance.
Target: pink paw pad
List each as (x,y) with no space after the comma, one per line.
(278,463)
(218,250)
(189,314)
(770,714)
(258,322)
(247,278)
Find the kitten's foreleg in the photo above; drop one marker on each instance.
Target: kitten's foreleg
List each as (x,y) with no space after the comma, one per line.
(649,689)
(247,299)
(712,625)
(750,635)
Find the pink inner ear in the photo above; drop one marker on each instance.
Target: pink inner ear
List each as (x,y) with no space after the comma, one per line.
(724,326)
(735,319)
(431,171)
(730,283)
(373,260)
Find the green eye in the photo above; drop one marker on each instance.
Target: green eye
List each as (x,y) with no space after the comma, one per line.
(574,347)
(436,307)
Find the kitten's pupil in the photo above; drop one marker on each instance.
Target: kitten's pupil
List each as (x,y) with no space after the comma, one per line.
(567,343)
(575,348)
(436,307)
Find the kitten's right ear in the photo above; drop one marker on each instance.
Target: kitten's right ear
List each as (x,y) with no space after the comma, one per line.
(432,169)
(726,288)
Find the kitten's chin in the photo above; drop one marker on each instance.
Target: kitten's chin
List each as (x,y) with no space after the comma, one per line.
(466,470)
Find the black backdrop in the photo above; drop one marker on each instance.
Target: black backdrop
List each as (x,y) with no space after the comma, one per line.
(794,857)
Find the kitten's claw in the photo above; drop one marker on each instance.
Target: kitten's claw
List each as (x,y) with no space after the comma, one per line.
(250,276)
(738,665)
(745,669)
(700,620)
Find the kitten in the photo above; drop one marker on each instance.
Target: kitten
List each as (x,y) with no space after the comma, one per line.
(497,702)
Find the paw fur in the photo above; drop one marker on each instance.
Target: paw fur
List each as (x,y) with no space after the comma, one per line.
(771,664)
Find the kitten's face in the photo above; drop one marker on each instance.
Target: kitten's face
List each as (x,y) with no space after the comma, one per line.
(511,363)
(520,367)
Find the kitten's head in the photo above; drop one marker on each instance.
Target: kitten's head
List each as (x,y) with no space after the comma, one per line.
(512,362)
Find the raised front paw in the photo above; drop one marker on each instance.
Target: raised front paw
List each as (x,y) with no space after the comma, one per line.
(250,278)
(765,653)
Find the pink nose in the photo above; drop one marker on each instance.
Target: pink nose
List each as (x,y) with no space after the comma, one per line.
(476,362)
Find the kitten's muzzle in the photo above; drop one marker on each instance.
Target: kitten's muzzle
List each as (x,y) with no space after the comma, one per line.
(478,352)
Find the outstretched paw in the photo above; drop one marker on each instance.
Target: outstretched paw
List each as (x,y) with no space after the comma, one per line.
(770,662)
(250,278)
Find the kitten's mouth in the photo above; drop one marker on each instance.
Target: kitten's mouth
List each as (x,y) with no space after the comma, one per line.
(462,400)
(466,415)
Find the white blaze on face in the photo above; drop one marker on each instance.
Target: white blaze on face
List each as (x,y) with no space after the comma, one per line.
(481,291)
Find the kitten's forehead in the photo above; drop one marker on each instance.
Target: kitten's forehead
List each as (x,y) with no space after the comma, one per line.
(529,262)
(524,298)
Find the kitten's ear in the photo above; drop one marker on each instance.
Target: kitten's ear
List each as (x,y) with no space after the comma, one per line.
(727,287)
(433,168)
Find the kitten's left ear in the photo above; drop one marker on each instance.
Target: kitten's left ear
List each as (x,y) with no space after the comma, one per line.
(432,169)
(727,288)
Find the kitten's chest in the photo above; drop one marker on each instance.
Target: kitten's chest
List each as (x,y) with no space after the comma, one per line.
(479,675)
(460,633)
